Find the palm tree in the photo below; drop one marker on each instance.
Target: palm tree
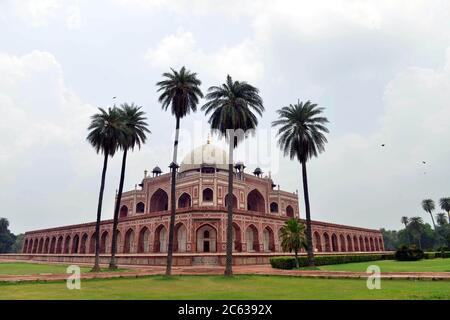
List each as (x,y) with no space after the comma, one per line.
(293,237)
(441,219)
(181,92)
(231,106)
(404,220)
(301,136)
(105,132)
(416,226)
(135,135)
(444,203)
(428,206)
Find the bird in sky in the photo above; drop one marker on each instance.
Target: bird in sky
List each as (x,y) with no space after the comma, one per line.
(114,97)
(383,145)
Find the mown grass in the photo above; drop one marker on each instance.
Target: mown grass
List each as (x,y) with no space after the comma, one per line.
(222,288)
(24,268)
(426,265)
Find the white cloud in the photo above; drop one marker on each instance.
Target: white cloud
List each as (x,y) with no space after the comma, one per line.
(40,13)
(242,61)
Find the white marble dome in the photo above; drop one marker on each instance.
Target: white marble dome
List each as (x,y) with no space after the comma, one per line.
(207,154)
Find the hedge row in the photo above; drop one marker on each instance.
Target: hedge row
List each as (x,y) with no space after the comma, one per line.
(433,255)
(289,262)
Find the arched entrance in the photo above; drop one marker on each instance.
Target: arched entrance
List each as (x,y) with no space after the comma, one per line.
(67,245)
(206,239)
(53,245)
(160,241)
(144,237)
(46,245)
(334,243)
(83,243)
(317,242)
(349,244)
(342,243)
(355,243)
(184,201)
(268,240)
(75,243)
(92,243)
(237,238)
(159,201)
(104,242)
(251,238)
(180,240)
(326,239)
(128,246)
(41,245)
(255,202)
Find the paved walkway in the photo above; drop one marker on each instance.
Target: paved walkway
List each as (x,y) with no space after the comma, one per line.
(134,271)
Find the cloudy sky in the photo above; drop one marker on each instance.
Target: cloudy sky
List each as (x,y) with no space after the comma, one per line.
(380,68)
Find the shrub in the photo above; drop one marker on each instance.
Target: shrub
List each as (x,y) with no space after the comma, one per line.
(429,255)
(412,253)
(289,262)
(445,254)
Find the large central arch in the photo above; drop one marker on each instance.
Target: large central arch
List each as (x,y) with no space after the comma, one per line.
(159,201)
(255,202)
(206,238)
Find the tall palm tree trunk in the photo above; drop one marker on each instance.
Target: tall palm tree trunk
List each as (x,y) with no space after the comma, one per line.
(96,267)
(172,200)
(432,219)
(113,262)
(229,258)
(308,217)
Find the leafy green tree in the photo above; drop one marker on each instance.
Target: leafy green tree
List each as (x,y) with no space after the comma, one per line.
(232,106)
(181,93)
(444,203)
(390,239)
(441,219)
(416,227)
(106,130)
(7,238)
(135,135)
(428,206)
(293,237)
(301,135)
(18,244)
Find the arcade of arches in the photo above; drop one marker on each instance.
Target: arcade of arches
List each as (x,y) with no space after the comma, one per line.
(205,238)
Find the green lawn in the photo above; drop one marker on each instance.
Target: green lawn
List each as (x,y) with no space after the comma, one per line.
(219,287)
(426,265)
(22,268)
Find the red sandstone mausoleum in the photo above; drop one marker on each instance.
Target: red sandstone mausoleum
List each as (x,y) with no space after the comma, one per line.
(260,210)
